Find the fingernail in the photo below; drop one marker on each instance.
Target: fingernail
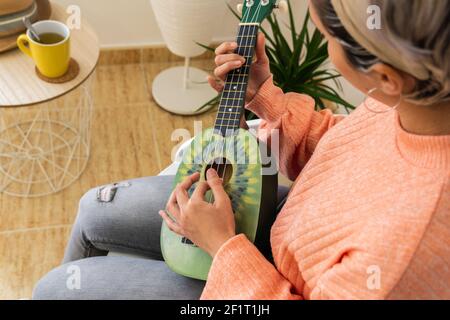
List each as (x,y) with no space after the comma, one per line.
(211,174)
(238,63)
(234,45)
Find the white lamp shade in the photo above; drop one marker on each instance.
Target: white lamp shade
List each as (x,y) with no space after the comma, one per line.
(185,22)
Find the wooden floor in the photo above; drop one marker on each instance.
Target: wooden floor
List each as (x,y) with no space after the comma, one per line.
(131,137)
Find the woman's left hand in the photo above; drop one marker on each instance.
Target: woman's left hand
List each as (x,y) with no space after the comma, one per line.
(208,225)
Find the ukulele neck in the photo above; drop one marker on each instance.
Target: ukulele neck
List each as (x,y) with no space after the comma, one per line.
(232,100)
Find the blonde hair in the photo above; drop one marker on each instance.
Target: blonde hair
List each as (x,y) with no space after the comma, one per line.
(422,29)
(414,37)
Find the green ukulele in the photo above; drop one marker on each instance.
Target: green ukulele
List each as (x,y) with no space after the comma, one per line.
(248,171)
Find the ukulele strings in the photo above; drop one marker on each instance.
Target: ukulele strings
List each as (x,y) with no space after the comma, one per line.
(247,50)
(222,120)
(215,144)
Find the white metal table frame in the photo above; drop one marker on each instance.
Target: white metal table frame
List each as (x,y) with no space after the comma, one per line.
(45,150)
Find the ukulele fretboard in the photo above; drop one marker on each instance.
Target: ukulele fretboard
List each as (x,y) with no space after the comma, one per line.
(232,100)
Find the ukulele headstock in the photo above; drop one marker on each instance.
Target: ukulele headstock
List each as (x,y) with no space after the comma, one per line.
(255,11)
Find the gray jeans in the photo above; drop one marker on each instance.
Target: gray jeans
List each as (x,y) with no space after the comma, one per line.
(124,219)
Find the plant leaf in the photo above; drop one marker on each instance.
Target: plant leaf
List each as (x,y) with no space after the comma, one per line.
(206,47)
(300,67)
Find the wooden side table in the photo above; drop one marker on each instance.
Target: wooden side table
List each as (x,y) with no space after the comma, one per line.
(45,128)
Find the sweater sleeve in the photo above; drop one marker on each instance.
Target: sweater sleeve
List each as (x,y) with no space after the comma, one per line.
(300,126)
(240,272)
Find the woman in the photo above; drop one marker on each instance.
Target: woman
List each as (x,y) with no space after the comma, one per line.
(369,215)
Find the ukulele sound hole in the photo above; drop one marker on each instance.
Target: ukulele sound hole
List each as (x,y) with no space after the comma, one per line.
(223,167)
(187,242)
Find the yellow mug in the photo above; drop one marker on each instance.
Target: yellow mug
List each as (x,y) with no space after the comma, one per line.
(52,60)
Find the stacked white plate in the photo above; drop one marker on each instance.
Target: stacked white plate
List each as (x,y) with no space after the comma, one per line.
(12,13)
(11,23)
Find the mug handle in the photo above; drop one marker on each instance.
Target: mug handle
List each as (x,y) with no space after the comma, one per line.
(23,44)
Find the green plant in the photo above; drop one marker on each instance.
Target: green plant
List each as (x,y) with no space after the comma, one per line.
(299,67)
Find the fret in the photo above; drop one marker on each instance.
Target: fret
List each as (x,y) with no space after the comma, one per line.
(229,101)
(228,129)
(227,124)
(231,89)
(231,115)
(231,96)
(222,119)
(239,75)
(234,91)
(235,88)
(235,83)
(234,106)
(229,107)
(246,37)
(232,102)
(235,109)
(226,110)
(228,115)
(227,119)
(256,24)
(232,99)
(226,106)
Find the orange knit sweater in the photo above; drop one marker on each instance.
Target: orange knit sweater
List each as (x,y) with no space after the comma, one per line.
(368,218)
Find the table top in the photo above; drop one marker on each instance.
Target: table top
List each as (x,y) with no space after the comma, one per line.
(19,84)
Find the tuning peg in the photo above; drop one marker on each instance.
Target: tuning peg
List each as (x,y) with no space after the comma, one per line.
(283,6)
(239,8)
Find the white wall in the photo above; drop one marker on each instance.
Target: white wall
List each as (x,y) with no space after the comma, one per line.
(131,23)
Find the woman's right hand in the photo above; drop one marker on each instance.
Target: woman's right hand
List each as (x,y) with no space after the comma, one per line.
(227,60)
